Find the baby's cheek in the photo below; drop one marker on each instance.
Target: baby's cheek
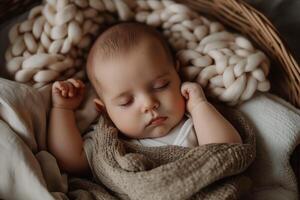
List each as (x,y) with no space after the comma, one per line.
(115,116)
(180,101)
(123,124)
(176,104)
(118,118)
(126,122)
(181,104)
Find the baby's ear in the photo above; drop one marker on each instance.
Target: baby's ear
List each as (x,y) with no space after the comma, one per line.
(99,105)
(177,65)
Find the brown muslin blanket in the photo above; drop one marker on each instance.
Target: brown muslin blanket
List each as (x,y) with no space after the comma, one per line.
(129,171)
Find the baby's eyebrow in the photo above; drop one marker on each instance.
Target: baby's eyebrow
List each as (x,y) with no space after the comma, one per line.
(120,95)
(162,75)
(126,93)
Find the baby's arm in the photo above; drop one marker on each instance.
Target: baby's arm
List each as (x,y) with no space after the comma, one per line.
(64,139)
(209,124)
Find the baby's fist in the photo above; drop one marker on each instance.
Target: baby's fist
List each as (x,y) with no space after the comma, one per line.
(67,94)
(193,93)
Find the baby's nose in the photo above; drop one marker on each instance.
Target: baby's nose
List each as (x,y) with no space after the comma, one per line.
(150,104)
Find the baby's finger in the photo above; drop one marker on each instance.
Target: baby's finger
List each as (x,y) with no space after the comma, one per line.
(185,93)
(61,85)
(55,85)
(64,91)
(63,88)
(71,89)
(76,82)
(82,85)
(56,90)
(58,85)
(185,90)
(79,86)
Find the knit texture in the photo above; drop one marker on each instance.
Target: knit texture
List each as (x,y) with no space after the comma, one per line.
(132,171)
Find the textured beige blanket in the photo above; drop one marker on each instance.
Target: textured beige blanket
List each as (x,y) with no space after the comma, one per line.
(170,172)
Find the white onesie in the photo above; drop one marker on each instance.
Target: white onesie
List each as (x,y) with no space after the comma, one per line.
(183,135)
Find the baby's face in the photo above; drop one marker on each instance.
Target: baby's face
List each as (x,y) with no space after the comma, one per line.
(141,91)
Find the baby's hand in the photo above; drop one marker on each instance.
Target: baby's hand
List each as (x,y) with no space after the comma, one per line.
(67,94)
(193,93)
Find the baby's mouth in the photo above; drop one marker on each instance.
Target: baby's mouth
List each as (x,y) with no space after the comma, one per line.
(157,121)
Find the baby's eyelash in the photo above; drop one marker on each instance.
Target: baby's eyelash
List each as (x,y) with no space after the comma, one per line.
(127,103)
(163,86)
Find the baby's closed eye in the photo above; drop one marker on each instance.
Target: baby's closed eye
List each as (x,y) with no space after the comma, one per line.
(161,85)
(125,101)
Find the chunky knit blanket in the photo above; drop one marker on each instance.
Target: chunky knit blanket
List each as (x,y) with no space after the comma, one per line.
(170,172)
(52,44)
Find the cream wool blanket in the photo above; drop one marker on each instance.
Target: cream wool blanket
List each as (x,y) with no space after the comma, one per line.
(171,172)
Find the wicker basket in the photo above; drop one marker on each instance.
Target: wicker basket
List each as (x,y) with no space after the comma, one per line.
(285,71)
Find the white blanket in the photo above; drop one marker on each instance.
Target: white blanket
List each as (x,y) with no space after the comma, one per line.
(23,132)
(278,133)
(27,171)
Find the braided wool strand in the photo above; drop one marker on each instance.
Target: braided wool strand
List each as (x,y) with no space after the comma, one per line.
(52,44)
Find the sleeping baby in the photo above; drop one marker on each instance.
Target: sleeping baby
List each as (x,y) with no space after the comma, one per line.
(136,78)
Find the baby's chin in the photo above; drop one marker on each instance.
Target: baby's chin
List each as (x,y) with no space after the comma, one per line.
(159,131)
(155,132)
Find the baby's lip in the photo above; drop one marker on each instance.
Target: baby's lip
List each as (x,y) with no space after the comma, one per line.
(157,120)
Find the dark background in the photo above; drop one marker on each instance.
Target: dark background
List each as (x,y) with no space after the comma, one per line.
(285,15)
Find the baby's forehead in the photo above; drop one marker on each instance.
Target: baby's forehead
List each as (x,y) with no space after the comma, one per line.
(146,44)
(151,47)
(122,42)
(121,39)
(133,68)
(146,54)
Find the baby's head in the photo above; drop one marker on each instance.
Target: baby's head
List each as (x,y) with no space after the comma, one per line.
(134,74)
